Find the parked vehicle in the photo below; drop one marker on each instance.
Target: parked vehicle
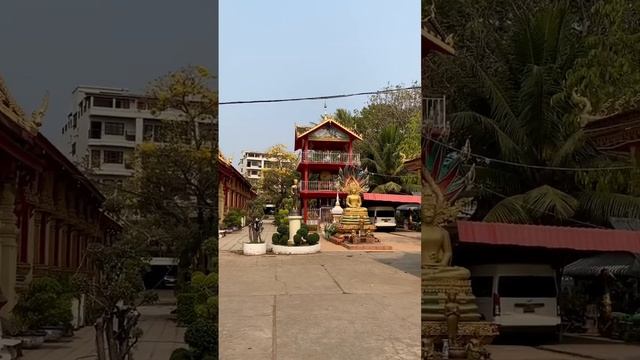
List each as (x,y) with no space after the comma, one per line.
(518,297)
(383,217)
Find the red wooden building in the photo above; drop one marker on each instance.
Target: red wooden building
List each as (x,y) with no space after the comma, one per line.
(323,149)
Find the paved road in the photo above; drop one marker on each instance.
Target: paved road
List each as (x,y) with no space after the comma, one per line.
(572,348)
(336,304)
(160,337)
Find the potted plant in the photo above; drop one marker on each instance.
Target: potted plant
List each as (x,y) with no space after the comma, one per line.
(304,242)
(255,246)
(42,312)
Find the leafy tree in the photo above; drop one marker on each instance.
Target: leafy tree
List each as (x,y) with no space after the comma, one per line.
(115,292)
(277,179)
(176,180)
(608,75)
(527,117)
(401,108)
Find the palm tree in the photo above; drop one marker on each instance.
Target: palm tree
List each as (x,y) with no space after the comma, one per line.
(529,117)
(381,155)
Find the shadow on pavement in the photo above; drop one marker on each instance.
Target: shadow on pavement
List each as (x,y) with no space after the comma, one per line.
(406,262)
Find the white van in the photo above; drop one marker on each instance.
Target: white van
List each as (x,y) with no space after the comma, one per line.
(517,297)
(383,217)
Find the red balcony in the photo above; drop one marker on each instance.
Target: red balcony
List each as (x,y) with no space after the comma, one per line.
(318,186)
(328,157)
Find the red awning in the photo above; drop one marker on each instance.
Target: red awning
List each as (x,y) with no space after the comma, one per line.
(556,237)
(405,199)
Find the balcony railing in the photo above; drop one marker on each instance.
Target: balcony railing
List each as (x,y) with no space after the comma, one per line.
(327,186)
(435,112)
(328,157)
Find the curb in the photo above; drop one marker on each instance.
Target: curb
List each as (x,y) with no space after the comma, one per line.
(563,352)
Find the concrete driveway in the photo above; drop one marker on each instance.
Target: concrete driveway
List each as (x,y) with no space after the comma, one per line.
(330,305)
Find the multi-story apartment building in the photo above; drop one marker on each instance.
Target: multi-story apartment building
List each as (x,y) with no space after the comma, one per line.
(252,163)
(105,126)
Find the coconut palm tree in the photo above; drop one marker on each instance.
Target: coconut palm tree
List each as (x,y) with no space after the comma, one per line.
(382,156)
(529,117)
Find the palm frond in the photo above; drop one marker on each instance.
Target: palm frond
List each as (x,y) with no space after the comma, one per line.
(509,146)
(599,206)
(545,200)
(388,188)
(509,210)
(568,149)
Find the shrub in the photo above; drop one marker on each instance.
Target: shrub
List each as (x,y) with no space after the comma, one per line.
(181,354)
(233,218)
(208,310)
(283,230)
(44,303)
(275,238)
(186,311)
(280,218)
(297,239)
(313,238)
(202,338)
(330,230)
(303,231)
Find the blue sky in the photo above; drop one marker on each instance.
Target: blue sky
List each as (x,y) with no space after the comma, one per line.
(282,49)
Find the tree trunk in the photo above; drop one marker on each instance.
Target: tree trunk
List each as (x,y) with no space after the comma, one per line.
(100,350)
(113,349)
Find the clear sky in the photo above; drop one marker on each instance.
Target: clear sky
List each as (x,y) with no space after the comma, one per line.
(292,48)
(57,45)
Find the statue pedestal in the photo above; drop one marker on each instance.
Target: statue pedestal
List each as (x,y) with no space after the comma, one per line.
(295,222)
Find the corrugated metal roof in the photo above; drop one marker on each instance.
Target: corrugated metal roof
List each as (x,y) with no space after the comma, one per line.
(618,263)
(585,239)
(407,199)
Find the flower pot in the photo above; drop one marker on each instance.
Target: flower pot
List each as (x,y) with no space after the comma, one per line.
(53,333)
(254,248)
(31,339)
(296,250)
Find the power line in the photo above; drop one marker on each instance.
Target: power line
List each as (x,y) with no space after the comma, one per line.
(541,167)
(324,97)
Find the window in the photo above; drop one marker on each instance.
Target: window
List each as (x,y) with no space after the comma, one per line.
(482,286)
(527,286)
(95,132)
(113,157)
(75,120)
(73,149)
(95,158)
(122,103)
(114,128)
(152,132)
(103,101)
(142,105)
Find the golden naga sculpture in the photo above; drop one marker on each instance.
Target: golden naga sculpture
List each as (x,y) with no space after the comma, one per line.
(449,312)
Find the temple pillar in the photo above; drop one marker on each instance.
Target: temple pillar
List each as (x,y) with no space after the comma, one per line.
(49,236)
(8,245)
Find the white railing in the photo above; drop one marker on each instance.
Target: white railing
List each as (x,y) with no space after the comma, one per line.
(329,186)
(435,112)
(328,157)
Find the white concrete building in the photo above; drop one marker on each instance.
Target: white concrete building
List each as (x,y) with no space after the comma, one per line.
(105,126)
(253,162)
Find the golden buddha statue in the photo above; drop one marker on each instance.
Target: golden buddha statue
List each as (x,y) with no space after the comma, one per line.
(354,208)
(437,253)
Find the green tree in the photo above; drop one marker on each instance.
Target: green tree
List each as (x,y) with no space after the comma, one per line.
(278,177)
(608,74)
(115,293)
(528,118)
(382,155)
(176,181)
